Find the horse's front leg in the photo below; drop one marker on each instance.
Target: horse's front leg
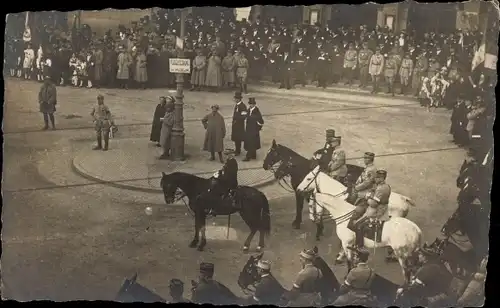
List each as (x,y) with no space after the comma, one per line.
(248,241)
(203,229)
(319,229)
(196,237)
(299,205)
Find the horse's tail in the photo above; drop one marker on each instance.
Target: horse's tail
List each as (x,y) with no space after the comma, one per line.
(265,217)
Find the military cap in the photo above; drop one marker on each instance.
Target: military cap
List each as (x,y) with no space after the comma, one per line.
(337,138)
(100,96)
(330,133)
(176,283)
(369,155)
(170,99)
(251,101)
(215,106)
(263,264)
(206,267)
(381,173)
(308,254)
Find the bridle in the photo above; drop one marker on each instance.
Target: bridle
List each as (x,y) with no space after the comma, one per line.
(179,195)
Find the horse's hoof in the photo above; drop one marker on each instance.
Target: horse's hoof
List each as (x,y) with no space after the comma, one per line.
(199,248)
(296,225)
(193,244)
(259,249)
(245,248)
(338,261)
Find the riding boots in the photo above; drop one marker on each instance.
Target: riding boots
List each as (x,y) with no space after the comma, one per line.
(99,144)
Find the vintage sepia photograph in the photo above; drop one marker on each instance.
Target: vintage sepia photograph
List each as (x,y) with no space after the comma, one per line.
(301,155)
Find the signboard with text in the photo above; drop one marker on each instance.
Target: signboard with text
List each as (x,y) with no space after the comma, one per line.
(180,66)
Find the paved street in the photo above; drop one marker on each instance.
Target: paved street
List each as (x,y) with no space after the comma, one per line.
(66,237)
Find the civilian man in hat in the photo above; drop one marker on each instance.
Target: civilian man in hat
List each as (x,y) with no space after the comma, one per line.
(305,289)
(300,67)
(268,290)
(215,133)
(238,125)
(47,98)
(337,167)
(252,133)
(103,123)
(350,61)
(374,205)
(364,58)
(207,290)
(323,155)
(375,68)
(357,285)
(176,290)
(366,181)
(431,281)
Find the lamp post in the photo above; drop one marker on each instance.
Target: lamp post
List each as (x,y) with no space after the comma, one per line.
(178,128)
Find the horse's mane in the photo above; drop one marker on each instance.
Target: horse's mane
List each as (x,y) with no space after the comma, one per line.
(287,151)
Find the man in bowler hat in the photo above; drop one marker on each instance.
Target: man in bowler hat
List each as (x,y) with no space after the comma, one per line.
(238,124)
(253,127)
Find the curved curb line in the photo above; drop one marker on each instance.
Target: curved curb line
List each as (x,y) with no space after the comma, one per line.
(137,188)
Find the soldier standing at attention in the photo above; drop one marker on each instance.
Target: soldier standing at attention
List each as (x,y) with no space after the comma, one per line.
(305,289)
(365,182)
(103,122)
(47,98)
(364,58)
(375,68)
(405,73)
(390,72)
(350,61)
(242,70)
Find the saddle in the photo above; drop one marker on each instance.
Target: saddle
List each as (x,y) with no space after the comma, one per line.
(372,229)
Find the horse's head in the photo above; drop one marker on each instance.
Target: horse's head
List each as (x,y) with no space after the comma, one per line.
(169,188)
(273,156)
(249,274)
(284,169)
(309,184)
(453,224)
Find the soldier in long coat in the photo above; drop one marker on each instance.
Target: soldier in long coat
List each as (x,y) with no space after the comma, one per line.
(124,62)
(166,127)
(215,132)
(364,57)
(214,72)
(390,71)
(350,63)
(375,68)
(242,70)
(228,70)
(47,98)
(199,71)
(252,133)
(405,73)
(141,72)
(238,126)
(98,66)
(420,70)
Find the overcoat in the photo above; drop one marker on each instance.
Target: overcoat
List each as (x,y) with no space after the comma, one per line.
(228,69)
(141,73)
(199,71)
(47,98)
(253,127)
(124,62)
(98,69)
(166,128)
(214,73)
(238,125)
(215,132)
(156,127)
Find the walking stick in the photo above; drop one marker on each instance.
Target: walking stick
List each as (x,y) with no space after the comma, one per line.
(228,226)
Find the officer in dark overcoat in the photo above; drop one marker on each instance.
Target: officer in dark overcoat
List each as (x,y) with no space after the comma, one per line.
(238,124)
(47,98)
(253,126)
(207,290)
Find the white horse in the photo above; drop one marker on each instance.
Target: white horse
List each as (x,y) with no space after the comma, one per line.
(399,233)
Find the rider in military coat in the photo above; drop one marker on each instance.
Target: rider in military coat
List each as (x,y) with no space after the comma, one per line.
(207,290)
(337,167)
(305,291)
(366,181)
(323,155)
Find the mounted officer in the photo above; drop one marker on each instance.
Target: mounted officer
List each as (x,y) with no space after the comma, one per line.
(366,181)
(103,123)
(207,290)
(337,167)
(267,290)
(305,291)
(374,205)
(225,181)
(357,285)
(323,155)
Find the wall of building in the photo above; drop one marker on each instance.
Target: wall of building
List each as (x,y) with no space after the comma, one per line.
(101,21)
